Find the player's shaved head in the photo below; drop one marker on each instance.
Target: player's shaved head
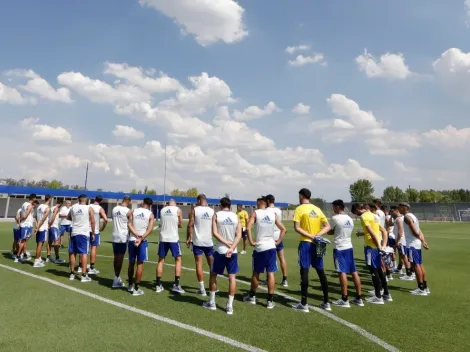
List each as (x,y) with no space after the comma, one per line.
(202,199)
(172,203)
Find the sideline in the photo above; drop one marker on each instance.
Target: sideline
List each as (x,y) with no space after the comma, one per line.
(153,316)
(385,345)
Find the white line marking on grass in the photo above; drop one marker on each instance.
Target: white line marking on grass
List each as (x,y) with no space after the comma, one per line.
(153,316)
(354,327)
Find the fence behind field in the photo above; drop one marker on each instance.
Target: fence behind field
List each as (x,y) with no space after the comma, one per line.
(423,211)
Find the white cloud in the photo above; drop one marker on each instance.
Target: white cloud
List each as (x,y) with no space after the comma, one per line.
(393,143)
(127,132)
(70,162)
(301,109)
(293,49)
(389,66)
(35,157)
(255,112)
(302,60)
(352,170)
(449,137)
(39,86)
(11,95)
(348,108)
(453,70)
(136,76)
(467,11)
(209,21)
(45,132)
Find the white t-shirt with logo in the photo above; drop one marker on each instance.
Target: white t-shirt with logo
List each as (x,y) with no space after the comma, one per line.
(395,230)
(80,220)
(96,214)
(278,213)
(227,222)
(391,233)
(169,224)
(411,239)
(41,211)
(55,223)
(343,225)
(202,234)
(120,230)
(265,223)
(64,211)
(28,222)
(140,222)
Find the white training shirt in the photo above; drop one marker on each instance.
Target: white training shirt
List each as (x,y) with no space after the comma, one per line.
(28,222)
(395,230)
(227,222)
(265,223)
(277,213)
(64,211)
(169,224)
(411,240)
(391,234)
(55,224)
(342,225)
(96,214)
(18,213)
(140,222)
(120,221)
(202,234)
(80,220)
(381,216)
(41,211)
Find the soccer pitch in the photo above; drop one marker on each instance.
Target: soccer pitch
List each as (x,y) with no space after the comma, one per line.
(47,312)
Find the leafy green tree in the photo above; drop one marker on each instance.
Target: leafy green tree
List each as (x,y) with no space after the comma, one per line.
(133,191)
(192,192)
(55,184)
(361,191)
(412,195)
(151,192)
(389,194)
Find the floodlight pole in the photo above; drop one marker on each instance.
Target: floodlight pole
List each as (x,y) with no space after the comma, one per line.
(86,176)
(164,174)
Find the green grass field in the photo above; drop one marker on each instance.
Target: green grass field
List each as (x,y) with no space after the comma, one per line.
(37,315)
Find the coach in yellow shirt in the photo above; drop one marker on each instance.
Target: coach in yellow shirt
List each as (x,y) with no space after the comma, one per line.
(372,247)
(310,222)
(243,218)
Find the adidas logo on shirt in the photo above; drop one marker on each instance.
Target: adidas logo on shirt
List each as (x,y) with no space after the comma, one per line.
(348,224)
(266,220)
(168,212)
(79,211)
(313,214)
(140,216)
(205,216)
(227,221)
(118,213)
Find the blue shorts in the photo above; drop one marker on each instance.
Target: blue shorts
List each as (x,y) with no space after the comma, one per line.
(16,234)
(280,247)
(25,233)
(119,248)
(244,234)
(140,253)
(65,228)
(164,247)
(415,256)
(41,236)
(54,234)
(78,244)
(207,251)
(308,256)
(373,258)
(265,260)
(221,262)
(391,242)
(96,240)
(403,250)
(344,261)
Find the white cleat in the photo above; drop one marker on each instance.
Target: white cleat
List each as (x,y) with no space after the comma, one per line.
(59,261)
(270,305)
(248,299)
(342,304)
(375,300)
(243,252)
(202,293)
(117,283)
(159,288)
(284,283)
(85,279)
(372,292)
(358,302)
(229,310)
(130,289)
(93,272)
(16,260)
(428,291)
(50,260)
(72,277)
(138,292)
(209,305)
(300,307)
(387,298)
(390,277)
(325,306)
(406,278)
(38,264)
(419,292)
(79,270)
(177,289)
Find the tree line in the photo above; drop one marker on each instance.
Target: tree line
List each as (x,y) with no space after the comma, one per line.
(363,191)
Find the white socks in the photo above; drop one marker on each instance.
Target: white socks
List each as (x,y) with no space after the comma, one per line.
(230,301)
(201,286)
(212,297)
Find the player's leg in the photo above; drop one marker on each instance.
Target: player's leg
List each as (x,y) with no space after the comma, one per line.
(83,246)
(317,263)
(40,238)
(258,268)
(130,269)
(209,252)
(375,266)
(177,254)
(198,260)
(271,269)
(163,248)
(217,268)
(416,262)
(119,250)
(232,270)
(72,251)
(339,260)
(244,237)
(93,251)
(305,261)
(142,251)
(282,262)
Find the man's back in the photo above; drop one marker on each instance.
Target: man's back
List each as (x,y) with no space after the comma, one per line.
(80,219)
(310,218)
(169,224)
(343,225)
(227,222)
(41,211)
(140,221)
(120,220)
(278,214)
(203,226)
(265,223)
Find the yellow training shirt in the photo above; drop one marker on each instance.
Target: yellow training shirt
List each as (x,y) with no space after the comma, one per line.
(374,222)
(243,217)
(310,218)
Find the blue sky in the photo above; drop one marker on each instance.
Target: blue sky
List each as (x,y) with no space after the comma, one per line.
(408,96)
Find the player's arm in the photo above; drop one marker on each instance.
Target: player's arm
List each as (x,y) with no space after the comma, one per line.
(54,215)
(190,228)
(105,219)
(401,231)
(91,216)
(69,216)
(149,227)
(423,241)
(374,236)
(18,219)
(384,236)
(249,226)
(29,209)
(325,225)
(281,227)
(412,226)
(130,224)
(238,237)
(180,219)
(44,218)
